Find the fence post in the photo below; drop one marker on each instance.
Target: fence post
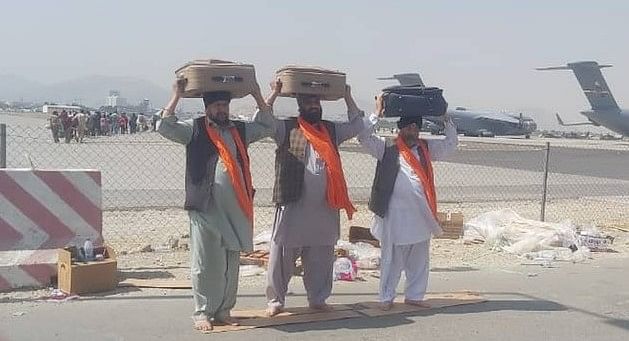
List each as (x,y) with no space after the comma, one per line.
(3,145)
(545,186)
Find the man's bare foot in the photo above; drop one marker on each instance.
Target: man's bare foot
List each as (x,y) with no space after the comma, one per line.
(228,320)
(417,303)
(273,310)
(203,326)
(321,307)
(386,306)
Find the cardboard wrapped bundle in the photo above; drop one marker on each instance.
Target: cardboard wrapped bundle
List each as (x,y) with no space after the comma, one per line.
(217,75)
(329,85)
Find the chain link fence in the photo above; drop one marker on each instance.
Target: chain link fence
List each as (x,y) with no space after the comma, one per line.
(143,180)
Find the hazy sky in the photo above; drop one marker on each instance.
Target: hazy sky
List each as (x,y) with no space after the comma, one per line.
(482,53)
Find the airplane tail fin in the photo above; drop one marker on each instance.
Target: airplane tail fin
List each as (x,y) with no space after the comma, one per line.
(592,82)
(406,79)
(559,120)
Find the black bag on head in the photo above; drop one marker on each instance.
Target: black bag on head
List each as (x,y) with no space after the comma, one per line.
(412,101)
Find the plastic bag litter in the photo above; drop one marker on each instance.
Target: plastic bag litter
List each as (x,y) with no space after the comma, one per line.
(345,269)
(366,255)
(547,257)
(506,230)
(56,295)
(251,270)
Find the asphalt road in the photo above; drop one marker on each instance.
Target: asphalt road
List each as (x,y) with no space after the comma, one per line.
(570,302)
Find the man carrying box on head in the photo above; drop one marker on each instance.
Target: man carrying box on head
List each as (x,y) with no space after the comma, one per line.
(404,202)
(309,192)
(219,197)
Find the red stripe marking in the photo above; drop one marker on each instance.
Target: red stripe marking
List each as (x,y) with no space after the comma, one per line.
(95,176)
(4,284)
(8,235)
(73,197)
(59,234)
(40,272)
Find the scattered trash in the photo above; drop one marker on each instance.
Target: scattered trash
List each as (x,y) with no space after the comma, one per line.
(364,254)
(251,270)
(506,230)
(258,257)
(18,314)
(595,240)
(362,234)
(184,244)
(173,242)
(532,274)
(541,242)
(146,248)
(57,295)
(263,238)
(345,269)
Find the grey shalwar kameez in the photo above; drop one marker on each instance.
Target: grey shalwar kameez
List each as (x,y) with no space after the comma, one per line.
(308,227)
(219,234)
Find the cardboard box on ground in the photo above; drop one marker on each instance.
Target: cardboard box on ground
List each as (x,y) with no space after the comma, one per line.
(451,224)
(86,277)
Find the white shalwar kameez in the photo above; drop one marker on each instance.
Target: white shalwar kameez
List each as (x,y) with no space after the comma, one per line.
(405,231)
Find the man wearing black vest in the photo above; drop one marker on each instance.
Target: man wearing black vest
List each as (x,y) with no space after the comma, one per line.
(309,192)
(404,202)
(219,197)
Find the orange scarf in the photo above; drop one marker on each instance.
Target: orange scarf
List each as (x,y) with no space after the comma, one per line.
(336,187)
(244,192)
(425,176)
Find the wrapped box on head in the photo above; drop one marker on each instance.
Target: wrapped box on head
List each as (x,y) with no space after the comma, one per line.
(217,75)
(413,101)
(329,85)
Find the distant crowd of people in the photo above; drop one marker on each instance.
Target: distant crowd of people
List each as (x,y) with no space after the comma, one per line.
(76,125)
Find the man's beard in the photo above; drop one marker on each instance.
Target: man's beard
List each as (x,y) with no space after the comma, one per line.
(311,116)
(222,119)
(409,139)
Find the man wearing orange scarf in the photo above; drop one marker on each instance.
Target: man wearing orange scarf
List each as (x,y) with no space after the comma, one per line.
(309,192)
(404,202)
(219,197)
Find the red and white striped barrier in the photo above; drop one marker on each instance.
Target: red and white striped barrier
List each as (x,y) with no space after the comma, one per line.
(41,211)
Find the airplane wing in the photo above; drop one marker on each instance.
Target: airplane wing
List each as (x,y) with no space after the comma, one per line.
(561,122)
(504,118)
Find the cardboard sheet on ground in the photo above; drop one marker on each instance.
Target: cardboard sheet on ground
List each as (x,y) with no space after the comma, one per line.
(436,300)
(256,318)
(155,283)
(250,319)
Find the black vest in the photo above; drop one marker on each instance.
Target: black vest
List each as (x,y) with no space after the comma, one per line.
(201,159)
(290,162)
(384,181)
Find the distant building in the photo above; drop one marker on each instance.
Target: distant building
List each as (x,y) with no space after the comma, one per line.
(114,99)
(145,105)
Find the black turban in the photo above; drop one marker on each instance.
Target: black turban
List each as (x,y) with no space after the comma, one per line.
(405,121)
(211,97)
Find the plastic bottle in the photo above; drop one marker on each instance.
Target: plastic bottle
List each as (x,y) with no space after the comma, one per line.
(89,250)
